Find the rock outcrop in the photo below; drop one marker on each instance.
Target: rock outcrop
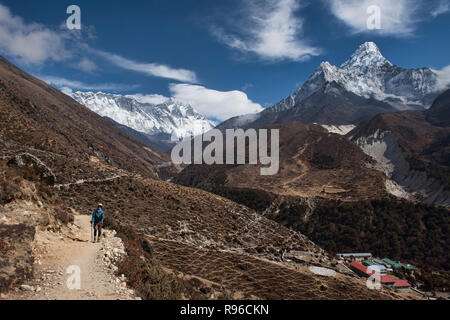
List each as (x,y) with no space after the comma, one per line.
(33,168)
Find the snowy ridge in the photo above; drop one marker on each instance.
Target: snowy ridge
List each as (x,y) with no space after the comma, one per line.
(169,117)
(370,75)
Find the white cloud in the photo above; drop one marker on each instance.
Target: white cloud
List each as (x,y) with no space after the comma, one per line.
(34,43)
(67,85)
(271,30)
(443,80)
(87,65)
(214,104)
(148,98)
(152,69)
(398,18)
(442,7)
(30,43)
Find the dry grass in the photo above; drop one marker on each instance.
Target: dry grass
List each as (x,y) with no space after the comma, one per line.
(144,274)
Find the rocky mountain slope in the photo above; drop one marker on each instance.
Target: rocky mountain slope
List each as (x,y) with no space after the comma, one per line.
(363,86)
(439,112)
(413,149)
(157,121)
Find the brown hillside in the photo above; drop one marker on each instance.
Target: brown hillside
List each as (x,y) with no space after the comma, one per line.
(313,163)
(38,118)
(213,246)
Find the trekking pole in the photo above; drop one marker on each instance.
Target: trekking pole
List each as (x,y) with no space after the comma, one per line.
(92,233)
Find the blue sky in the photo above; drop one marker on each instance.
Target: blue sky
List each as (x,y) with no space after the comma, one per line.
(224,57)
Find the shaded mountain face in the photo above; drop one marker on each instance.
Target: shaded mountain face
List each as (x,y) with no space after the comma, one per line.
(413,149)
(365,85)
(332,105)
(161,142)
(439,112)
(154,122)
(39,119)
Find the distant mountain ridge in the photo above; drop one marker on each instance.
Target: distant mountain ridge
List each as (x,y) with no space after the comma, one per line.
(365,85)
(167,118)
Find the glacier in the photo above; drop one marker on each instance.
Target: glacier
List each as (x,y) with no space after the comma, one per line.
(170,117)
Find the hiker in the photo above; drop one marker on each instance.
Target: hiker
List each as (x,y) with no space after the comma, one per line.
(97,221)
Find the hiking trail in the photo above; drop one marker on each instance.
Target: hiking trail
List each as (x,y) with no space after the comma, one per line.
(56,252)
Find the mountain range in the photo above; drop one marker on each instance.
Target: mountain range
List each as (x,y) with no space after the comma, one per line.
(363,86)
(382,188)
(154,124)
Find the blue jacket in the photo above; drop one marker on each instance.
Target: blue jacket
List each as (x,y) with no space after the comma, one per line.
(98,216)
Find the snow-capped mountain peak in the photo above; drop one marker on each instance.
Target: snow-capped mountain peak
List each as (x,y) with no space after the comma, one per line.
(370,75)
(366,56)
(170,117)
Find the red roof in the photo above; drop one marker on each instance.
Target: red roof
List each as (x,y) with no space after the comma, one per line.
(388,279)
(358,266)
(402,284)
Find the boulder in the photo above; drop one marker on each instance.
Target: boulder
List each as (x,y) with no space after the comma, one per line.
(32,168)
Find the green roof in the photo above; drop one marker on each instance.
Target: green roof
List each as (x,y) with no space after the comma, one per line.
(369,263)
(409,267)
(392,263)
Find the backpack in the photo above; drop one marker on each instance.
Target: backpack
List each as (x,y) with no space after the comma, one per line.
(99,215)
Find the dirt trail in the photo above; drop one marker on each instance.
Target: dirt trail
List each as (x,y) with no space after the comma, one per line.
(82,181)
(56,252)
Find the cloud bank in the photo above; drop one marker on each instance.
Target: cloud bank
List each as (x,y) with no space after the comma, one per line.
(214,104)
(30,43)
(270,30)
(443,80)
(34,43)
(398,18)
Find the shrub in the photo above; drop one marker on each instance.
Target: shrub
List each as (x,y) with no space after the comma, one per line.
(144,274)
(323,161)
(63,215)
